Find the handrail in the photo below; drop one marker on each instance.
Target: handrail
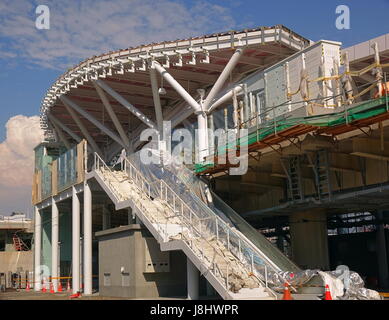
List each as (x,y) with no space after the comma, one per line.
(211,215)
(140,182)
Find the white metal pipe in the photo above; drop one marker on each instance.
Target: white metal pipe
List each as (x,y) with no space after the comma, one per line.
(87,239)
(64,128)
(75,241)
(83,129)
(193,276)
(202,136)
(126,104)
(226,97)
(54,243)
(176,86)
(112,115)
(92,119)
(157,100)
(223,77)
(61,136)
(37,249)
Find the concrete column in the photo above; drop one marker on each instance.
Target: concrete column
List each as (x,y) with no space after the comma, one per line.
(54,244)
(382,257)
(37,249)
(202,136)
(308,232)
(106,218)
(75,242)
(87,239)
(193,278)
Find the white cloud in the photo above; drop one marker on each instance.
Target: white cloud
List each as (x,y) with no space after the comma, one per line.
(17,163)
(85,28)
(16,152)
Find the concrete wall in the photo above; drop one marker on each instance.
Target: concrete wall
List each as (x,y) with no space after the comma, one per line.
(122,264)
(17,260)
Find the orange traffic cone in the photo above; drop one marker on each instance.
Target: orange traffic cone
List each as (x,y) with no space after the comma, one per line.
(43,286)
(51,287)
(327,293)
(59,286)
(28,286)
(287,295)
(68,286)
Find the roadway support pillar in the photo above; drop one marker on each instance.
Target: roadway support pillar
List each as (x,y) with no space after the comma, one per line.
(87,239)
(54,244)
(193,278)
(382,257)
(75,242)
(37,250)
(309,239)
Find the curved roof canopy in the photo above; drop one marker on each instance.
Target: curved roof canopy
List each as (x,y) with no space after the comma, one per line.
(108,99)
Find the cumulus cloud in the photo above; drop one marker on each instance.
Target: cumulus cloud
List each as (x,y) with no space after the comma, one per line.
(17,162)
(16,151)
(85,28)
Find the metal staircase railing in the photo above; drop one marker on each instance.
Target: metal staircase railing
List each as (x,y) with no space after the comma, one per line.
(200,228)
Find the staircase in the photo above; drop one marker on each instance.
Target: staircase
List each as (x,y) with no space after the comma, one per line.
(19,245)
(232,265)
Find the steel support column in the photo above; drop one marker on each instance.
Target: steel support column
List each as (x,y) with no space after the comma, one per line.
(222,78)
(65,128)
(112,115)
(226,97)
(202,136)
(91,119)
(157,100)
(54,244)
(83,129)
(61,136)
(176,86)
(75,241)
(126,104)
(87,239)
(37,249)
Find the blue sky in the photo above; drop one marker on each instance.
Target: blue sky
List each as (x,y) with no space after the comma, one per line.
(24,79)
(31,59)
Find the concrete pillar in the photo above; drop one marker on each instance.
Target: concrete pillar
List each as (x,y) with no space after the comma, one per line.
(75,241)
(54,244)
(193,278)
(309,239)
(37,249)
(202,136)
(382,257)
(87,239)
(106,218)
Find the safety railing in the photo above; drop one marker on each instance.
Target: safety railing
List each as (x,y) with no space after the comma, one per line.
(200,228)
(204,226)
(98,165)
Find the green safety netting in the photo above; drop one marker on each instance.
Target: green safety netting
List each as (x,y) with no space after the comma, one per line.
(361,111)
